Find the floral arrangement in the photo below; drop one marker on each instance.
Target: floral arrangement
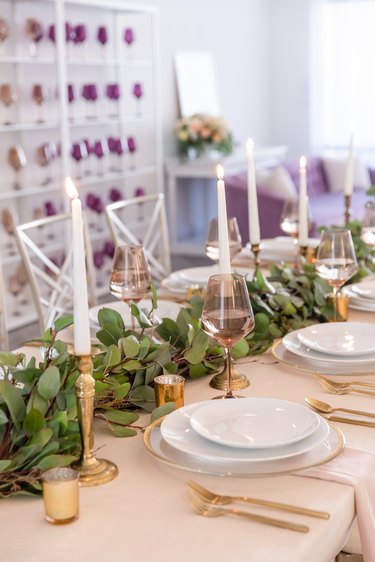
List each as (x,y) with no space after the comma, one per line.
(200,132)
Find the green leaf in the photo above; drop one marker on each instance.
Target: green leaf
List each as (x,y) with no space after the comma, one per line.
(3,417)
(138,313)
(121,391)
(62,419)
(130,346)
(162,410)
(120,431)
(10,359)
(108,317)
(37,401)
(196,353)
(4,464)
(112,357)
(196,371)
(132,365)
(240,349)
(13,399)
(143,396)
(33,422)
(49,383)
(63,322)
(56,460)
(120,417)
(42,437)
(143,348)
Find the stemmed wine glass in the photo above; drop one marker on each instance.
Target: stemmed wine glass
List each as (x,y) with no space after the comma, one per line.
(17,160)
(90,94)
(80,36)
(227,316)
(7,220)
(71,98)
(129,38)
(138,93)
(8,96)
(79,153)
(113,93)
(39,96)
(4,34)
(100,149)
(336,261)
(212,242)
(45,153)
(130,278)
(132,148)
(102,36)
(35,32)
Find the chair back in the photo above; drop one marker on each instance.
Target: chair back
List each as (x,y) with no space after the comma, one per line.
(143,221)
(49,265)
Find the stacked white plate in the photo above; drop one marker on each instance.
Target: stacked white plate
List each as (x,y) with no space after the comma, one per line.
(361,295)
(335,348)
(178,281)
(281,248)
(250,436)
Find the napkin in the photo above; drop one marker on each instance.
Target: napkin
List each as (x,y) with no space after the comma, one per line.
(357,468)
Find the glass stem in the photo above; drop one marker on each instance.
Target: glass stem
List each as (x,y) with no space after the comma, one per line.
(335,303)
(229,393)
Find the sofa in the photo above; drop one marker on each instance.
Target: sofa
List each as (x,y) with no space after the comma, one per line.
(326,204)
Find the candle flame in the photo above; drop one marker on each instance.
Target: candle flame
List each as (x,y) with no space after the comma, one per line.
(302,162)
(70,188)
(249,145)
(220,172)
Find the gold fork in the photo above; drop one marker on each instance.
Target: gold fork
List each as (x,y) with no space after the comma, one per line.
(209,510)
(218,499)
(331,388)
(346,384)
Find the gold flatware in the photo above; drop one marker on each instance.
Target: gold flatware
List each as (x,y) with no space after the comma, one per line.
(208,510)
(328,386)
(350,421)
(218,499)
(346,384)
(328,409)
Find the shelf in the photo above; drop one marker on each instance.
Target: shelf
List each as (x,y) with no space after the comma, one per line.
(115,120)
(25,192)
(24,59)
(143,63)
(87,182)
(14,127)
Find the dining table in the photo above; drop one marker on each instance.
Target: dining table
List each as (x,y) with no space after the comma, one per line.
(142,515)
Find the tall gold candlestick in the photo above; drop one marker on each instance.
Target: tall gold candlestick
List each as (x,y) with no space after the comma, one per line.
(348,211)
(255,248)
(92,471)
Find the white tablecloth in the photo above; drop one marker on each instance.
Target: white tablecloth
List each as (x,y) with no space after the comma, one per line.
(142,515)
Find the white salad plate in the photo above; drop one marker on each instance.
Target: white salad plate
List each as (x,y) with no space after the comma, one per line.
(319,454)
(178,281)
(365,289)
(254,423)
(343,339)
(165,309)
(294,345)
(358,303)
(177,431)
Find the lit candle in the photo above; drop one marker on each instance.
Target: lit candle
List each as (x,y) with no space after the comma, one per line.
(224,255)
(60,494)
(348,189)
(82,341)
(303,227)
(254,231)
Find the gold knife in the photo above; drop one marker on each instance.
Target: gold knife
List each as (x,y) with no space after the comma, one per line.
(350,420)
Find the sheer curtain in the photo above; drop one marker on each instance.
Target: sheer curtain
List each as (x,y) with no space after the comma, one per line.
(343,75)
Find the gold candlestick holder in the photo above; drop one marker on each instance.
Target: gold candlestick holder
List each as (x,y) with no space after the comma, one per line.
(220,380)
(348,211)
(92,471)
(255,248)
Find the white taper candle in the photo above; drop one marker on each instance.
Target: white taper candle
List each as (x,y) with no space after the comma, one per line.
(252,199)
(224,255)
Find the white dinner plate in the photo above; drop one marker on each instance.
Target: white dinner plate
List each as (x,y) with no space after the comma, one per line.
(166,309)
(200,275)
(365,290)
(358,303)
(310,366)
(177,431)
(321,453)
(295,346)
(339,338)
(254,423)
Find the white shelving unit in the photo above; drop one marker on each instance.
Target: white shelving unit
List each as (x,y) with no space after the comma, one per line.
(55,65)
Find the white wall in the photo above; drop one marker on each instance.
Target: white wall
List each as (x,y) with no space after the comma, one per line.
(236,32)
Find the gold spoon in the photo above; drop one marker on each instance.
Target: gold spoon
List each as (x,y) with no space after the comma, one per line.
(328,409)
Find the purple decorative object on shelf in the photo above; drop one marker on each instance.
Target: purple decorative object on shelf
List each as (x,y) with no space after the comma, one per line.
(79,151)
(139,192)
(112,91)
(102,35)
(138,90)
(70,32)
(52,33)
(99,205)
(132,145)
(100,148)
(112,144)
(71,93)
(109,248)
(115,194)
(91,200)
(50,209)
(98,258)
(120,146)
(129,36)
(87,145)
(80,33)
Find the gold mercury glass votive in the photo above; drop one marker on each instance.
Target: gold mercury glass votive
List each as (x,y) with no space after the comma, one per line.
(60,495)
(169,388)
(342,306)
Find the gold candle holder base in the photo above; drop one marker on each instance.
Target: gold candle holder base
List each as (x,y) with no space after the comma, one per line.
(348,211)
(220,380)
(255,248)
(93,472)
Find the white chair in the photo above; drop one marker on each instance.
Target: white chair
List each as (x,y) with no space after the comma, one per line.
(143,221)
(48,262)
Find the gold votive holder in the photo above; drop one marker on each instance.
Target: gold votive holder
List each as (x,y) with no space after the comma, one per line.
(341,301)
(169,388)
(194,291)
(60,495)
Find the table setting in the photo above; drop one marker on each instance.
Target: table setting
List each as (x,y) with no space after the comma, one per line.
(281,437)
